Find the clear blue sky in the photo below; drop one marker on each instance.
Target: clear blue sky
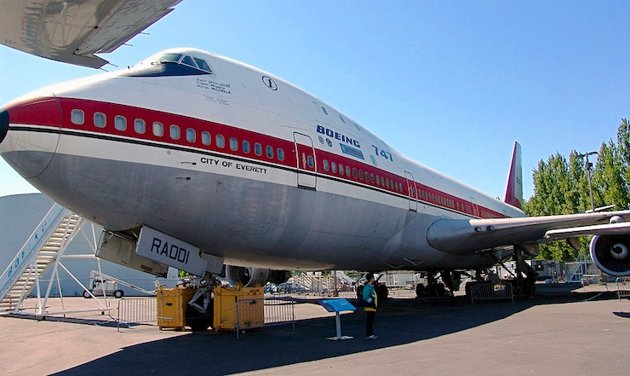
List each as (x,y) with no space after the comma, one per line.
(449,84)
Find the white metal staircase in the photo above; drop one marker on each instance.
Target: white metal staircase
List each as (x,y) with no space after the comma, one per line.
(44,247)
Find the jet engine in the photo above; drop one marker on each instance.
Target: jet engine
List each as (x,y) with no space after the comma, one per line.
(611,254)
(249,277)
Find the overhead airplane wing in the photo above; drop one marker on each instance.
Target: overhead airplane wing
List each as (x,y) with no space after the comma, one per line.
(461,236)
(73,31)
(609,248)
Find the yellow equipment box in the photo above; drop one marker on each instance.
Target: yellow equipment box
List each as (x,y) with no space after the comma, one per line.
(242,305)
(171,306)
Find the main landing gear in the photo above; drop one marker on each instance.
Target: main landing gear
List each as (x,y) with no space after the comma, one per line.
(447,283)
(200,310)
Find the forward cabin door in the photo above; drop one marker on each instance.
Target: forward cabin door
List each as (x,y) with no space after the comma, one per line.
(306,163)
(413,192)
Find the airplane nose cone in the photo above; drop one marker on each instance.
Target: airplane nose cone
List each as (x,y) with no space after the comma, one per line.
(4,124)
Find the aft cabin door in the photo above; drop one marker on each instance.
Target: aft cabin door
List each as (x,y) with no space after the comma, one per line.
(412,191)
(306,163)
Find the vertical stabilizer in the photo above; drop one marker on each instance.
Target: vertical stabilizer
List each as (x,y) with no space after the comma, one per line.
(514,187)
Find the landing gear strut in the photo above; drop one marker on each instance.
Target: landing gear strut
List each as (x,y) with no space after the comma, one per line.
(437,289)
(523,286)
(200,310)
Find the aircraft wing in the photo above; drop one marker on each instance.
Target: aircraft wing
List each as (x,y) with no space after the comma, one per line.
(73,31)
(462,236)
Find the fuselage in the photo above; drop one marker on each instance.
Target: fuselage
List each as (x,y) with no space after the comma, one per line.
(237,162)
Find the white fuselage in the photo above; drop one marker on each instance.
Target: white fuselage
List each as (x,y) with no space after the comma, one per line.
(247,167)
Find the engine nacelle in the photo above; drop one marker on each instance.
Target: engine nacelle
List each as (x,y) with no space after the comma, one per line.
(249,277)
(611,254)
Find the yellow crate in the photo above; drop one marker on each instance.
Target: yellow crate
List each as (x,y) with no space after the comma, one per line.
(251,310)
(171,306)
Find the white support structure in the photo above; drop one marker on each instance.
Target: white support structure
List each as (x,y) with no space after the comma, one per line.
(44,248)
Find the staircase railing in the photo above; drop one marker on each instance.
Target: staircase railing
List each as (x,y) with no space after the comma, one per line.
(29,250)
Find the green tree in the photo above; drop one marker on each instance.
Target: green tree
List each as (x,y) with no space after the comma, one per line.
(561,187)
(609,182)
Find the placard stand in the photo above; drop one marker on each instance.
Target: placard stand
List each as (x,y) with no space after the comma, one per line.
(338,306)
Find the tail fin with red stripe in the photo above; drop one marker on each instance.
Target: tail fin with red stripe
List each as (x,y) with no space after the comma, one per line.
(514,187)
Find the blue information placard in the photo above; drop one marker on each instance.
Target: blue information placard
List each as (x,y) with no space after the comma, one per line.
(337,305)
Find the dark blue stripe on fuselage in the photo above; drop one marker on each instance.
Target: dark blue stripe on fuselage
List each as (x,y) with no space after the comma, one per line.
(165,70)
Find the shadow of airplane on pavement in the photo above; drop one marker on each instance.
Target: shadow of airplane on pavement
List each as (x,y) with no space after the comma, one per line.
(400,322)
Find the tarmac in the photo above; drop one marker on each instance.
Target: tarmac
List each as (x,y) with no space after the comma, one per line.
(585,332)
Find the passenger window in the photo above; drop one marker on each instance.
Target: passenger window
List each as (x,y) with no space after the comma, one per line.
(139,126)
(246,147)
(205,138)
(341,170)
(191,135)
(258,149)
(372,178)
(174,132)
(100,120)
(348,171)
(378,181)
(269,151)
(233,144)
(333,167)
(220,141)
(120,123)
(77,117)
(310,161)
(280,153)
(361,175)
(158,129)
(355,173)
(326,165)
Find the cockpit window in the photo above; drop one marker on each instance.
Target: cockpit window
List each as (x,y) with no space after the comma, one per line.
(202,65)
(188,61)
(169,58)
(171,64)
(183,59)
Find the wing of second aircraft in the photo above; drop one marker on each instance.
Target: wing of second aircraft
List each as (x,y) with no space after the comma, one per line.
(74,31)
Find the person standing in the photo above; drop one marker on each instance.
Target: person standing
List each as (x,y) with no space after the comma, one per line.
(370,301)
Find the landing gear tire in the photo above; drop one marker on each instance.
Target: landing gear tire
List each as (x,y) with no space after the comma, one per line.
(119,294)
(420,290)
(86,295)
(382,292)
(197,321)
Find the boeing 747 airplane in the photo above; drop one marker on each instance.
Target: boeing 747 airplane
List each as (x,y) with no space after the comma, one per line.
(195,160)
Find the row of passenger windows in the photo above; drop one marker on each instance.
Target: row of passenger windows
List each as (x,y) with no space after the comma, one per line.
(158,129)
(361,175)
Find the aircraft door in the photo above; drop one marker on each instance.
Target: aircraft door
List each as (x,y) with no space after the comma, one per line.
(306,162)
(413,192)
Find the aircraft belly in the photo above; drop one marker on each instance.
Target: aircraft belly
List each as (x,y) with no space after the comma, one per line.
(250,217)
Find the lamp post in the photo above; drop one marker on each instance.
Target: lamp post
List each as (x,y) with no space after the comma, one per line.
(587,167)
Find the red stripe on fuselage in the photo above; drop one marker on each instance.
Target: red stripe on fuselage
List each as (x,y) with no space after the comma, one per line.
(379,179)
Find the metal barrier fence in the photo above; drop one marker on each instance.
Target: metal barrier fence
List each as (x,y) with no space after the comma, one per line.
(490,291)
(136,311)
(623,287)
(257,313)
(248,313)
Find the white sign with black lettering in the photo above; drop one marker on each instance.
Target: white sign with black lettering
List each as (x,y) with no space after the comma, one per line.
(168,250)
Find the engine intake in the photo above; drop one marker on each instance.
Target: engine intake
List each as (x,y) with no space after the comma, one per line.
(249,277)
(611,254)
